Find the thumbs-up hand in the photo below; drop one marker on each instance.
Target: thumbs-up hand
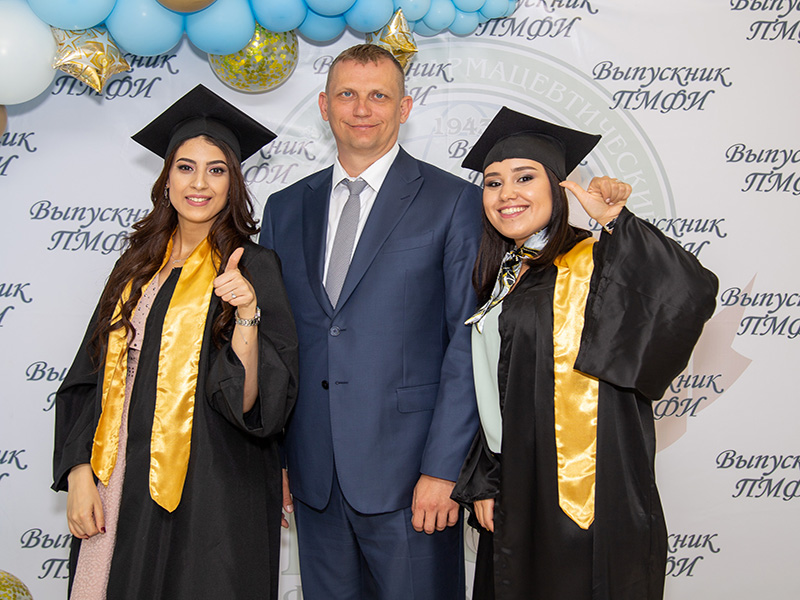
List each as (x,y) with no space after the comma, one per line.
(603,199)
(233,288)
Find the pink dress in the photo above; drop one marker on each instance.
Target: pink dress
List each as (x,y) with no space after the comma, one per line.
(94,560)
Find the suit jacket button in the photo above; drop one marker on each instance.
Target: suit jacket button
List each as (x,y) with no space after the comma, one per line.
(334,331)
(324,384)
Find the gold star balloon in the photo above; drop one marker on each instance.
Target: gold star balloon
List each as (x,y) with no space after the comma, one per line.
(397,38)
(89,55)
(3,118)
(263,64)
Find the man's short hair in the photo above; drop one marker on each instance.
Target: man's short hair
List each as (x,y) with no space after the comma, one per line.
(365,53)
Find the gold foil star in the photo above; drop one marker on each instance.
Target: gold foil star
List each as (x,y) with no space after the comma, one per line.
(89,55)
(396,37)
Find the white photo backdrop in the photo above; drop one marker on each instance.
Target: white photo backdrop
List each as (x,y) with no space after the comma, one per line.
(696,102)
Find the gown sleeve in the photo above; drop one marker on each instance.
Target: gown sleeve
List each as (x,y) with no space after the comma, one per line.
(277,355)
(480,475)
(648,301)
(76,412)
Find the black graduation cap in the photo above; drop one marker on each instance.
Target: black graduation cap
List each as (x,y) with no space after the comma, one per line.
(512,134)
(202,112)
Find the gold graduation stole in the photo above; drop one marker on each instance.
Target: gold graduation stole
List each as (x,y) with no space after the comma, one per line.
(575,393)
(178,360)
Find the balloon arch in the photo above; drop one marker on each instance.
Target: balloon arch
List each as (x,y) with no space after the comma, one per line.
(251,44)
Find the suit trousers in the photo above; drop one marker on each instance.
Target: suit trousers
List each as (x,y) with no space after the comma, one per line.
(347,555)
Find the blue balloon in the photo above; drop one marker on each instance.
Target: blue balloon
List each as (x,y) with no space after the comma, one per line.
(224,27)
(330,8)
(494,9)
(279,15)
(464,23)
(369,15)
(512,6)
(321,29)
(144,27)
(413,10)
(441,14)
(72,14)
(469,5)
(421,29)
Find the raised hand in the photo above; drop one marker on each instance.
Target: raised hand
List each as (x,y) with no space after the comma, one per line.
(603,199)
(233,288)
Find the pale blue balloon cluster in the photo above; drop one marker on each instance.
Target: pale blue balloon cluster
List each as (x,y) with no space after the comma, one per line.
(147,28)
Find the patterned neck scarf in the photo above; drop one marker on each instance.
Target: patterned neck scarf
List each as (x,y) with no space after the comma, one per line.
(508,274)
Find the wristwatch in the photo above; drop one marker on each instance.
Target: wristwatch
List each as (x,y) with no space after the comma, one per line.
(248,322)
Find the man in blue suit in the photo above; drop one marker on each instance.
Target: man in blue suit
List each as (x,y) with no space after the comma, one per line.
(386,408)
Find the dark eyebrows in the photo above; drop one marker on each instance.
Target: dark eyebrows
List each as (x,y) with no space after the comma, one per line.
(212,162)
(514,170)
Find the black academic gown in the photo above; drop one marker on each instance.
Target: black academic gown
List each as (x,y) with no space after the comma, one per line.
(647,304)
(222,541)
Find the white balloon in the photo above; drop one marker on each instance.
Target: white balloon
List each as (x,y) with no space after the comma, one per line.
(27,49)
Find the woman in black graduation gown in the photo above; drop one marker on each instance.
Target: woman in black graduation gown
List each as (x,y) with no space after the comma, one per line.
(167,421)
(574,342)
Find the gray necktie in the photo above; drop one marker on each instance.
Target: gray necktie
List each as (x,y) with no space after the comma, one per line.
(343,242)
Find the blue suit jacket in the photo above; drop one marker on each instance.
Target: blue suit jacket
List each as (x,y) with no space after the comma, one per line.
(386,384)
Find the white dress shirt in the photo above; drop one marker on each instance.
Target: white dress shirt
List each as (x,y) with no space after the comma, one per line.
(374,176)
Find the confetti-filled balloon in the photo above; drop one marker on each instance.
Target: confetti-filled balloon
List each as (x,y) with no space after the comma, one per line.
(3,118)
(89,55)
(26,53)
(186,6)
(396,37)
(11,588)
(263,64)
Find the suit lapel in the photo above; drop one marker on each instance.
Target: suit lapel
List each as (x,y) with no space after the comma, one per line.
(395,196)
(314,232)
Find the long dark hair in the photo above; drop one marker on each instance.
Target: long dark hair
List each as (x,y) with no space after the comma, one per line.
(561,237)
(147,244)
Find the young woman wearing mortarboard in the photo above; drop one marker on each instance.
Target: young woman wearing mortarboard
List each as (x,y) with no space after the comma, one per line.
(167,422)
(573,341)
